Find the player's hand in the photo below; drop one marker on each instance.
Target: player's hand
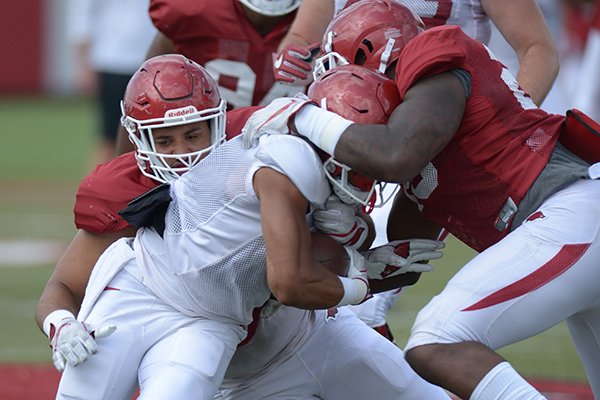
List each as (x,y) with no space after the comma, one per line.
(401,256)
(342,222)
(74,342)
(293,64)
(358,272)
(273,119)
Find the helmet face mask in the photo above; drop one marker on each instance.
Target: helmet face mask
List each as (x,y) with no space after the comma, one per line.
(363,96)
(330,58)
(351,187)
(169,91)
(272,8)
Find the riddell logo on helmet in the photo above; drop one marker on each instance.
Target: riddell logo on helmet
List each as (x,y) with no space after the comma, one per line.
(181,112)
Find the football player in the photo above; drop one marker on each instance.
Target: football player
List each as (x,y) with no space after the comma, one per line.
(477,157)
(522,24)
(116,293)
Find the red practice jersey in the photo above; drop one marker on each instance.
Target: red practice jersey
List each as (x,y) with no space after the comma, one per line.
(219,36)
(109,187)
(501,146)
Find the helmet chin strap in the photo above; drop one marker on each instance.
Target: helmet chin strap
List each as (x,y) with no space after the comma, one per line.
(385,56)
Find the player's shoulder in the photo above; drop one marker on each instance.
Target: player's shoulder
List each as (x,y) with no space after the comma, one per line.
(431,52)
(106,190)
(296,158)
(236,119)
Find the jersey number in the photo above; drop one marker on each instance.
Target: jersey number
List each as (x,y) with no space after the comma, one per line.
(237,84)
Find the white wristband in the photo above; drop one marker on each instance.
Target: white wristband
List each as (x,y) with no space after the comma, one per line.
(355,291)
(54,318)
(321,127)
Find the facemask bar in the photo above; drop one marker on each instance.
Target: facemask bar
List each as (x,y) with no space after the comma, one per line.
(382,197)
(155,165)
(329,60)
(342,186)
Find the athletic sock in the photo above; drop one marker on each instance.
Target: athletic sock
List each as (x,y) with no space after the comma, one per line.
(504,383)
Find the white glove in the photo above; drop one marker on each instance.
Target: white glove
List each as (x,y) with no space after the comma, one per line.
(341,221)
(73,341)
(401,256)
(356,284)
(273,118)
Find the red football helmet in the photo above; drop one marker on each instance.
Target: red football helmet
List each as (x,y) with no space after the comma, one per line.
(363,96)
(170,90)
(371,33)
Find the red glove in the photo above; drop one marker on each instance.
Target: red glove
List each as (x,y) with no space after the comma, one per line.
(293,64)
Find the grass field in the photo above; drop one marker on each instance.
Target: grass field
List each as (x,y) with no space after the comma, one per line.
(46,145)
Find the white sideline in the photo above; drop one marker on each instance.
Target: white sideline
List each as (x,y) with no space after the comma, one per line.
(29,253)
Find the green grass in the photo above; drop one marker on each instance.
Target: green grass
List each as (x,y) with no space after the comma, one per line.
(46,144)
(45,139)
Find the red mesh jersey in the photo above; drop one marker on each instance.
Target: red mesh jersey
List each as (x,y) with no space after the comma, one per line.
(503,143)
(219,36)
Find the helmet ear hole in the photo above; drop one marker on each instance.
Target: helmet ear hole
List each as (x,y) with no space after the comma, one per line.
(360,57)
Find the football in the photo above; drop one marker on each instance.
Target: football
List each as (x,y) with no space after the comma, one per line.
(330,253)
(395,282)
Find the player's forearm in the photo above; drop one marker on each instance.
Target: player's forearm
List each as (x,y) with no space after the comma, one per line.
(537,71)
(314,291)
(56,296)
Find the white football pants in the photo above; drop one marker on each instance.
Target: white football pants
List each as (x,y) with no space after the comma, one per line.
(175,356)
(341,359)
(545,272)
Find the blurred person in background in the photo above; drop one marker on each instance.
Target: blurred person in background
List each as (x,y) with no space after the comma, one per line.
(110,38)
(575,28)
(233,40)
(587,91)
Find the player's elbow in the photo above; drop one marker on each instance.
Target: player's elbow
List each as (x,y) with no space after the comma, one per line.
(286,293)
(399,168)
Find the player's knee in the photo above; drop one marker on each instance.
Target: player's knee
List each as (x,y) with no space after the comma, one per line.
(421,358)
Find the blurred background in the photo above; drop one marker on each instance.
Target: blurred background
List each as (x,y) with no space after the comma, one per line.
(49,131)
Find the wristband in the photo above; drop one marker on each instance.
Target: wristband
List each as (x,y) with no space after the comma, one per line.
(54,318)
(321,127)
(355,291)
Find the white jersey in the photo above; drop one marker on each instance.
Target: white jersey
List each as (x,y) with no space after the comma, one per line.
(468,14)
(212,262)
